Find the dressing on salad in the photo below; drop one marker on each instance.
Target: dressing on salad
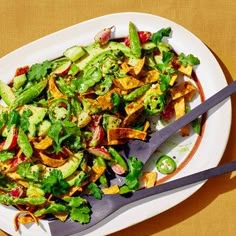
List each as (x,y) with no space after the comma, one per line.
(63,119)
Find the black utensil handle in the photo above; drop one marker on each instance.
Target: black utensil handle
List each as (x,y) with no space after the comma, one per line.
(166,132)
(184,181)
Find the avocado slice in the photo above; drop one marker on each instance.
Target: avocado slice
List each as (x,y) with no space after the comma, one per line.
(71,180)
(110,121)
(38,114)
(69,167)
(6,93)
(96,51)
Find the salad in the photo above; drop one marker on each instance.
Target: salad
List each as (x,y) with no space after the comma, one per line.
(62,121)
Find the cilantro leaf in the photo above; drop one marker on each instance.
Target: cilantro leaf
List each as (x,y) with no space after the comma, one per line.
(6,155)
(13,119)
(25,171)
(164,81)
(55,184)
(24,120)
(167,56)
(75,201)
(135,170)
(80,214)
(79,210)
(54,133)
(95,190)
(3,118)
(189,59)
(157,37)
(39,71)
(196,124)
(65,130)
(165,67)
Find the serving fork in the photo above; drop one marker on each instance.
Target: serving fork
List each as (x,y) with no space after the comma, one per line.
(104,208)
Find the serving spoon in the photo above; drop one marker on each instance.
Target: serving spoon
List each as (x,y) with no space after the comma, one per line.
(102,209)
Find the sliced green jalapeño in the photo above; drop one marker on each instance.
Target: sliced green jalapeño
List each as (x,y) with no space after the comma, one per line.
(166,164)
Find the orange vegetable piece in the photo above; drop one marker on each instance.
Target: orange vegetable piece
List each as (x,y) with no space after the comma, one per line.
(149,179)
(98,170)
(127,83)
(55,92)
(52,162)
(114,189)
(182,90)
(124,133)
(137,68)
(44,143)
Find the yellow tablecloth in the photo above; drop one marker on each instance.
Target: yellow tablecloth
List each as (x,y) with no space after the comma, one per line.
(210,211)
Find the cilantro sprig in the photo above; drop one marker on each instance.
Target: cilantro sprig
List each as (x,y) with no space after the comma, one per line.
(24,120)
(55,184)
(158,36)
(135,170)
(39,71)
(76,207)
(165,66)
(79,210)
(62,130)
(189,59)
(95,190)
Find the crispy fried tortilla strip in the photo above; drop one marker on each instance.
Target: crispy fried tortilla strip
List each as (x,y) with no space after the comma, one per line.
(182,90)
(179,107)
(134,106)
(23,183)
(55,92)
(146,126)
(188,97)
(61,216)
(44,143)
(151,76)
(52,162)
(98,170)
(174,77)
(25,213)
(104,102)
(26,219)
(127,83)
(117,142)
(72,191)
(137,68)
(125,133)
(14,176)
(185,130)
(125,67)
(186,70)
(114,189)
(149,179)
(133,116)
